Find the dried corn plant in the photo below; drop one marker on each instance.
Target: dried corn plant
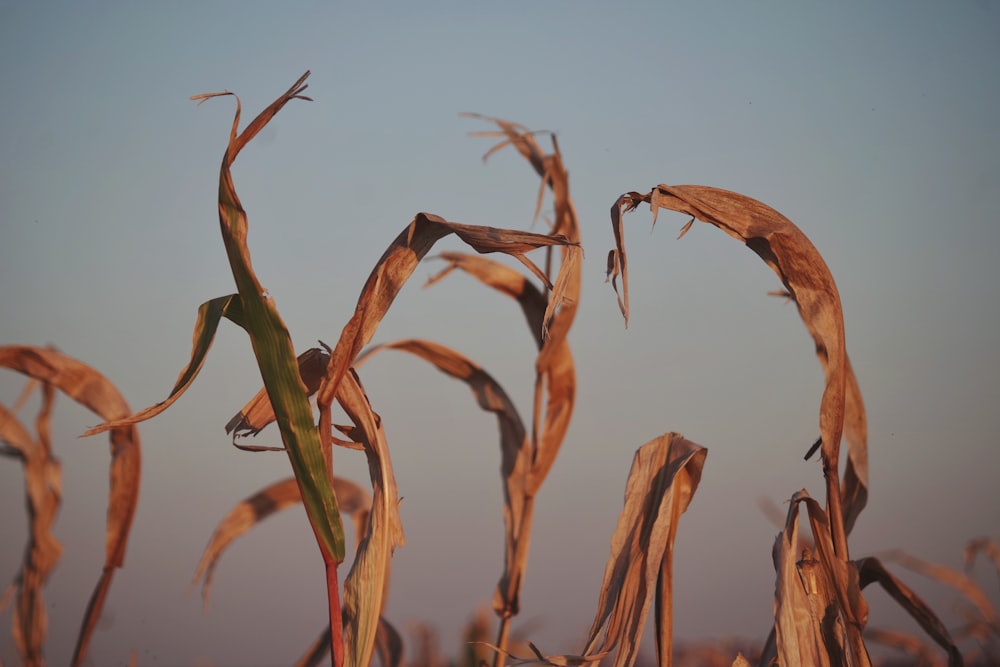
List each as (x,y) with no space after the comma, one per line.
(53,371)
(819,610)
(526,457)
(820,613)
(354,625)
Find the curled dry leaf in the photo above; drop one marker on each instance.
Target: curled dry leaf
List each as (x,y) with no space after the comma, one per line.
(514,447)
(871,570)
(390,274)
(367,583)
(807,281)
(352,499)
(555,386)
(818,607)
(43,497)
(664,477)
(92,390)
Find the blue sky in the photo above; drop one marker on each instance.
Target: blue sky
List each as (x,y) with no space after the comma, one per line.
(871,126)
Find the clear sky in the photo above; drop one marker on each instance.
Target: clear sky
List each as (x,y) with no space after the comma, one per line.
(873,126)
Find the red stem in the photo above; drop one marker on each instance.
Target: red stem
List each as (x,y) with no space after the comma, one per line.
(336,618)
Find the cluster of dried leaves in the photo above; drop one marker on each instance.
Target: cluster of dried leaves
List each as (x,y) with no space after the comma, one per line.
(820,614)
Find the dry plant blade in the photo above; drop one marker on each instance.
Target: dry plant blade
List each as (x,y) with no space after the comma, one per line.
(367,584)
(808,282)
(312,365)
(43,497)
(210,314)
(394,268)
(397,265)
(953,578)
(871,570)
(514,448)
(555,385)
(503,279)
(92,390)
(818,607)
(664,477)
(808,630)
(353,500)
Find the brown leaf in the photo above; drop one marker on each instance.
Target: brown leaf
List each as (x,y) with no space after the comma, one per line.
(807,281)
(836,612)
(390,274)
(953,578)
(871,570)
(664,477)
(351,498)
(92,390)
(367,583)
(397,265)
(514,446)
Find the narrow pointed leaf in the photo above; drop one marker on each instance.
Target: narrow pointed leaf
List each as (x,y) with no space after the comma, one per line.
(273,347)
(210,314)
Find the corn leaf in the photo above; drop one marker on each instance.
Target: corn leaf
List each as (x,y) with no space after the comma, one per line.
(871,570)
(555,386)
(367,583)
(808,625)
(272,344)
(664,477)
(514,448)
(353,500)
(808,282)
(43,497)
(387,278)
(210,314)
(953,578)
(819,610)
(92,390)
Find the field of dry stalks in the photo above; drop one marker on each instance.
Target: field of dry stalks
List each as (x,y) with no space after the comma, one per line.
(820,612)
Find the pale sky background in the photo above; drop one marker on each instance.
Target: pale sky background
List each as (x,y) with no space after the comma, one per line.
(873,126)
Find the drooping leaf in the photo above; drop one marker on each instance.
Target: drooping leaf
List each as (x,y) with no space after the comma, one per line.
(953,578)
(514,447)
(555,385)
(388,277)
(808,282)
(210,314)
(871,570)
(352,499)
(92,390)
